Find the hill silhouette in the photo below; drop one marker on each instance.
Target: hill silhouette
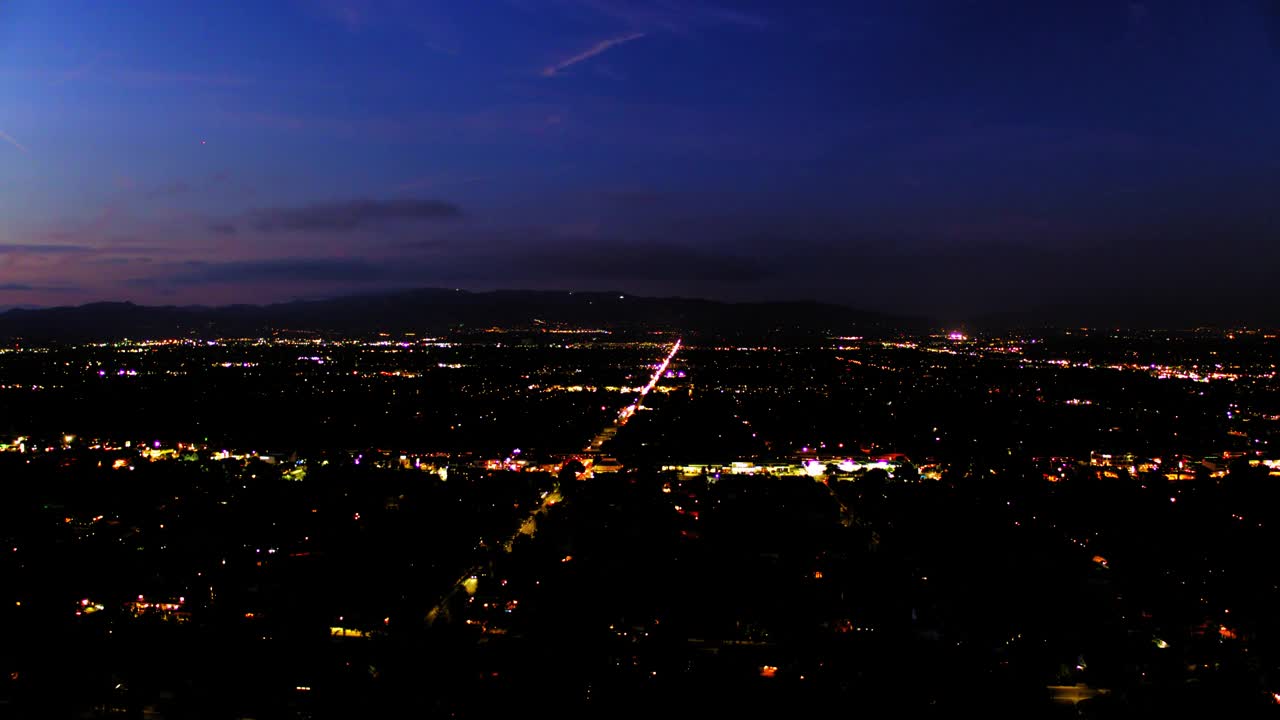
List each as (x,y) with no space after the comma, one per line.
(434,310)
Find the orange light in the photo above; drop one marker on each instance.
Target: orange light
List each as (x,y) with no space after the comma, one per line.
(768,671)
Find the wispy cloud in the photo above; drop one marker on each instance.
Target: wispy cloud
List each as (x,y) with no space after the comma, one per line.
(594,50)
(36,249)
(19,287)
(352,215)
(9,139)
(343,270)
(331,271)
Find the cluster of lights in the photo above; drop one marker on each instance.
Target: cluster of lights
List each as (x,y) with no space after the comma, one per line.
(627,412)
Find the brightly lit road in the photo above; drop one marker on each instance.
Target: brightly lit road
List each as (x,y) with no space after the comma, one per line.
(468,581)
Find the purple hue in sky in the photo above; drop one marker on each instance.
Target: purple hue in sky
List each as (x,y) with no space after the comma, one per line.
(1078,161)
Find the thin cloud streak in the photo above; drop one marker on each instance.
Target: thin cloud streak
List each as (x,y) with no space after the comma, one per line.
(39,249)
(9,138)
(353,215)
(594,50)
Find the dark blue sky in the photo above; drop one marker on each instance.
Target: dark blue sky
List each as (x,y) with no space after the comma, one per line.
(1092,160)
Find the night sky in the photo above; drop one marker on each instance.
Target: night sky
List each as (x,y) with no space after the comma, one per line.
(1083,161)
